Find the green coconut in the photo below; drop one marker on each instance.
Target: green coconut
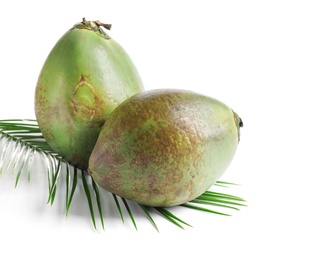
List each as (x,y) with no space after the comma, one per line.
(85,77)
(165,147)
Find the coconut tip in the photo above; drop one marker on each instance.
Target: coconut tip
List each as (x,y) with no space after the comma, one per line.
(95,26)
(97,23)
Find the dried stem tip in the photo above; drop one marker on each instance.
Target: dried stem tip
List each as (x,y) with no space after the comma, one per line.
(96,23)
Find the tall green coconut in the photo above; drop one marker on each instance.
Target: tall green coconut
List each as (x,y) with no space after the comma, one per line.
(85,77)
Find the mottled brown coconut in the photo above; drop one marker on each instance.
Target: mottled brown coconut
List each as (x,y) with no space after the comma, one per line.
(165,147)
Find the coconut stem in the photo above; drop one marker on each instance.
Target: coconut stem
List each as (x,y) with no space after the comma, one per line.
(94,26)
(105,25)
(96,23)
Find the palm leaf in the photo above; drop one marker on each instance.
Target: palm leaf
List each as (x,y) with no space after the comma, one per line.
(53,179)
(148,215)
(129,212)
(171,217)
(89,198)
(70,191)
(119,208)
(98,199)
(22,140)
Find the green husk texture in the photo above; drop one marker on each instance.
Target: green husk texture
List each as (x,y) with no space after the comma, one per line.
(22,140)
(83,79)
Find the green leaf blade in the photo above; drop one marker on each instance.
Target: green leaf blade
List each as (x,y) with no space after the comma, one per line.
(118,207)
(171,217)
(72,191)
(187,205)
(147,213)
(53,185)
(129,212)
(89,198)
(98,199)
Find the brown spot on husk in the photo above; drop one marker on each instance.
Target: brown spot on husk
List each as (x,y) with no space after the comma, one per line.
(84,100)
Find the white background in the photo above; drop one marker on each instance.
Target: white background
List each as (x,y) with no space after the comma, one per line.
(265,59)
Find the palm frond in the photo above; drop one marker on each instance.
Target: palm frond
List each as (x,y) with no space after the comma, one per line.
(148,215)
(98,199)
(118,207)
(89,198)
(22,140)
(53,179)
(171,217)
(70,188)
(129,212)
